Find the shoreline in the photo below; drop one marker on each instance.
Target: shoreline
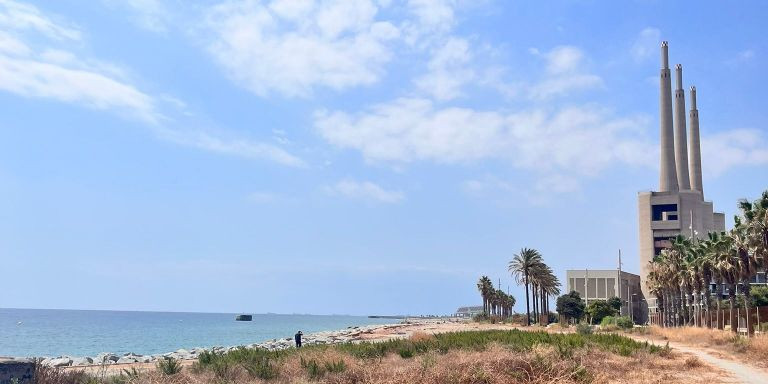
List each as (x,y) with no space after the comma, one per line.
(110,361)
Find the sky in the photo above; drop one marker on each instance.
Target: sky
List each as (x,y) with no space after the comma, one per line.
(348,157)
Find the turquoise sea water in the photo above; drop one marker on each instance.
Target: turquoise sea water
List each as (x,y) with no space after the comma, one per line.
(44,332)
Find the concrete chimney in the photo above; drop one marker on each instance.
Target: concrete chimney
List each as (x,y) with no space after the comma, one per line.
(668,174)
(681,136)
(695,146)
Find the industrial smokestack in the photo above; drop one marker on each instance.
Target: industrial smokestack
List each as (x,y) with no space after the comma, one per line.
(695,146)
(681,139)
(668,174)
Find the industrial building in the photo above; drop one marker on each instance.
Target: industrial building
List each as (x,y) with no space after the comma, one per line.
(678,207)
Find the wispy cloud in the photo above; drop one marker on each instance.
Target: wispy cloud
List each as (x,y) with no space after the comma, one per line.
(153,15)
(564,74)
(732,149)
(52,69)
(364,190)
(646,44)
(407,130)
(26,17)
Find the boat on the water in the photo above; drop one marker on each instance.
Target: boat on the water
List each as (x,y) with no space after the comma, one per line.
(243,318)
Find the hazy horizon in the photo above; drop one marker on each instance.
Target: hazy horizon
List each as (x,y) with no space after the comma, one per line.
(368,157)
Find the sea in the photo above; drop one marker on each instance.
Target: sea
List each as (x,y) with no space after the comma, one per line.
(51,333)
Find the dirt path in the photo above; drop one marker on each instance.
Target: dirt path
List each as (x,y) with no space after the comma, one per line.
(739,372)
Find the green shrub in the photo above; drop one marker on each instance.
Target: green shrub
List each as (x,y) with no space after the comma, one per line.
(608,320)
(262,368)
(405,353)
(584,329)
(169,366)
(335,366)
(624,322)
(314,370)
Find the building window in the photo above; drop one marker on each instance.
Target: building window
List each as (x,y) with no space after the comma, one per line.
(657,211)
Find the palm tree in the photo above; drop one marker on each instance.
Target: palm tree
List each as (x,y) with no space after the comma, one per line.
(521,267)
(485,286)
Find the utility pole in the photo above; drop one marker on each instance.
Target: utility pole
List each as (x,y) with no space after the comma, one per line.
(586,293)
(619,281)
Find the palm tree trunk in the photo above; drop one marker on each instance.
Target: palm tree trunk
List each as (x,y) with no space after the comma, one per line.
(527,309)
(732,300)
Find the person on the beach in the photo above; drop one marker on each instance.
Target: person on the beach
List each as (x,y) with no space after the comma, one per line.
(297,338)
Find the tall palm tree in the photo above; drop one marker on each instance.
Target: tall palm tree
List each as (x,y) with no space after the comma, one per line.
(521,266)
(485,286)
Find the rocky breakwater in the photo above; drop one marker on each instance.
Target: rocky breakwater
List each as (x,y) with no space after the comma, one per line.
(349,335)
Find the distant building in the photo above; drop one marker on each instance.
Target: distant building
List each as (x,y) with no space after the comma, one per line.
(678,207)
(604,284)
(469,311)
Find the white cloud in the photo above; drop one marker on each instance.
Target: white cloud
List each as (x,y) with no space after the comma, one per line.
(292,48)
(543,191)
(364,190)
(54,72)
(563,59)
(152,15)
(583,140)
(239,147)
(45,80)
(25,17)
(565,74)
(448,70)
(563,85)
(732,149)
(431,19)
(647,44)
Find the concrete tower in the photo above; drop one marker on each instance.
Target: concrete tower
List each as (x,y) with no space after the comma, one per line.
(695,145)
(674,209)
(668,175)
(681,145)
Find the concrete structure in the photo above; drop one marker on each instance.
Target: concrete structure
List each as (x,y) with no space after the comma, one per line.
(668,175)
(676,208)
(604,284)
(469,311)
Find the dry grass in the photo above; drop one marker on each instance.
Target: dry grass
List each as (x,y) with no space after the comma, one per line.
(496,364)
(421,336)
(695,336)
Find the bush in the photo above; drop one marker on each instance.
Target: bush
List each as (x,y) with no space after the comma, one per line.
(608,320)
(624,322)
(169,366)
(314,370)
(335,366)
(584,329)
(261,368)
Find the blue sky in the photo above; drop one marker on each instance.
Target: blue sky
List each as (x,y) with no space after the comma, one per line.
(347,156)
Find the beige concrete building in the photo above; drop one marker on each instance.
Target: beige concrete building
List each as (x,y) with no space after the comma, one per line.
(679,206)
(604,284)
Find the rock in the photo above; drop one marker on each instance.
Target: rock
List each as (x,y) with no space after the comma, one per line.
(82,361)
(127,360)
(60,362)
(105,358)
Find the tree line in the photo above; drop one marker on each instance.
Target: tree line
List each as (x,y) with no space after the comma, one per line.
(528,269)
(681,274)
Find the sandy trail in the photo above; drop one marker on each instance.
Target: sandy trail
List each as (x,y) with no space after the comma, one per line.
(738,372)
